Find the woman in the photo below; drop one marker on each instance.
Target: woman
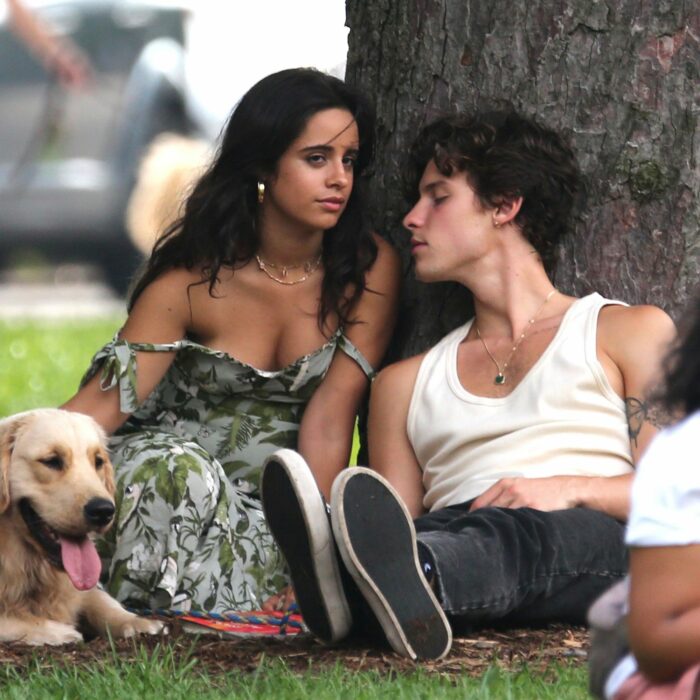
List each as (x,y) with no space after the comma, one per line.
(255,326)
(664,538)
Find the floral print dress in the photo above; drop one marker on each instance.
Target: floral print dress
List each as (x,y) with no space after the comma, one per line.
(189,531)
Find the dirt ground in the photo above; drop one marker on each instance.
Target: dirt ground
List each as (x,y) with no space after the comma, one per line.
(537,649)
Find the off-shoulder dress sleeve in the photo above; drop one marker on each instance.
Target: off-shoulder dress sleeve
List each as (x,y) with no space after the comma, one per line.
(116,363)
(347,346)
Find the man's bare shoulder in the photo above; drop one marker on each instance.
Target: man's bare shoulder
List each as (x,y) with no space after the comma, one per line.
(632,329)
(399,377)
(633,316)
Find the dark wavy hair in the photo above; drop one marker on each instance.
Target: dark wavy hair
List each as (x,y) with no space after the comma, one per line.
(505,155)
(683,369)
(218,225)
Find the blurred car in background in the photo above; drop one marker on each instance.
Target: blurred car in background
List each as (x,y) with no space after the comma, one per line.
(68,159)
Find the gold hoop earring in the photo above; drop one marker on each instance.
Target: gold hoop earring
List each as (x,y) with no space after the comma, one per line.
(261,192)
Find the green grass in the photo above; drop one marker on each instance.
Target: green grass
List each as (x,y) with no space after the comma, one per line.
(40,365)
(161,675)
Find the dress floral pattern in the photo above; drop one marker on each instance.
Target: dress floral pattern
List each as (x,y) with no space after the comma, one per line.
(189,530)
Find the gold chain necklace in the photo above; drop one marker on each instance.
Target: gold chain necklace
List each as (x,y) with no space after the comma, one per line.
(310,266)
(500,378)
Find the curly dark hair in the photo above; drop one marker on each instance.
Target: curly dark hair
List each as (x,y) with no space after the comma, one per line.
(683,369)
(505,155)
(218,227)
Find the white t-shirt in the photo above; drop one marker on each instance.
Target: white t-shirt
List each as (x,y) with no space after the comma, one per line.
(666,490)
(665,505)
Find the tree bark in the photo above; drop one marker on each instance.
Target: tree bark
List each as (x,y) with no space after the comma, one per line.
(618,77)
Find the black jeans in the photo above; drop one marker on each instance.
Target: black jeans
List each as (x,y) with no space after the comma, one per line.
(520,566)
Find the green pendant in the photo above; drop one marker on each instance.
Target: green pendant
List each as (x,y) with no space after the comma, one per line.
(500,379)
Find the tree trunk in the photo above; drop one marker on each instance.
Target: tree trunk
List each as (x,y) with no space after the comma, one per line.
(619,77)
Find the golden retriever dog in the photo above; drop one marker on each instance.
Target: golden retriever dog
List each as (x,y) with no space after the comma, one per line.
(56,490)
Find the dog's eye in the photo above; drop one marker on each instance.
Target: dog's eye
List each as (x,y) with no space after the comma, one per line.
(54,462)
(99,461)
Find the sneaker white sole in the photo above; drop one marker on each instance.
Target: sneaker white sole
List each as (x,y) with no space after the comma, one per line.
(376,539)
(296,515)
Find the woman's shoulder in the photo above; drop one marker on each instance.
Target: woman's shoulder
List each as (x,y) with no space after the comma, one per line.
(668,462)
(385,274)
(175,282)
(676,441)
(167,299)
(387,255)
(666,489)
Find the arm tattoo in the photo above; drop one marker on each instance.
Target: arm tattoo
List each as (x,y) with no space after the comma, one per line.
(640,412)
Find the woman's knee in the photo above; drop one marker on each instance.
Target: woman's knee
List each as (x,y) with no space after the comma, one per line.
(167,467)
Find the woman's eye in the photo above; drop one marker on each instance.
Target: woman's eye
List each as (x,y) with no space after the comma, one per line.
(349,162)
(316,159)
(437,201)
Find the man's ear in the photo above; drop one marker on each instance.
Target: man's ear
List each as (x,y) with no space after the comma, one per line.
(506,211)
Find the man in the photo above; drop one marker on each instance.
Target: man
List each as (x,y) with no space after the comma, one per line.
(511,443)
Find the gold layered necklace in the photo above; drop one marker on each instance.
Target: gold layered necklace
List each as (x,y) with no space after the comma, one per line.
(500,378)
(309,267)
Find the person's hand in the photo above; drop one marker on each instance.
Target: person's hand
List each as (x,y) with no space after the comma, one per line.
(70,65)
(281,601)
(550,493)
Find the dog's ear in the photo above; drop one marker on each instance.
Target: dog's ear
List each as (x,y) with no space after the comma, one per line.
(108,474)
(8,432)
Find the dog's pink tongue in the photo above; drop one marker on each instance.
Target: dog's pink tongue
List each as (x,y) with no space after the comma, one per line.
(81,562)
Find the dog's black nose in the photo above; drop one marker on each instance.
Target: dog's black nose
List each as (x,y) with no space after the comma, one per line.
(98,511)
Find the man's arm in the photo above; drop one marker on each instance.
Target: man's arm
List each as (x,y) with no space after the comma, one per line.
(632,344)
(390,452)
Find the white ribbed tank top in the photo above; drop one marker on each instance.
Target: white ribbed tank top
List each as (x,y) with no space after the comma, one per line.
(563,418)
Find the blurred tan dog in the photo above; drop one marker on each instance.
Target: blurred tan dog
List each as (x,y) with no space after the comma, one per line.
(167,174)
(56,488)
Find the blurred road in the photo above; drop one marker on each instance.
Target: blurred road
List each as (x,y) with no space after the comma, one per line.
(53,297)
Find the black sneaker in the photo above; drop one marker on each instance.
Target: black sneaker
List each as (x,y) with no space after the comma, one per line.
(297,516)
(377,542)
